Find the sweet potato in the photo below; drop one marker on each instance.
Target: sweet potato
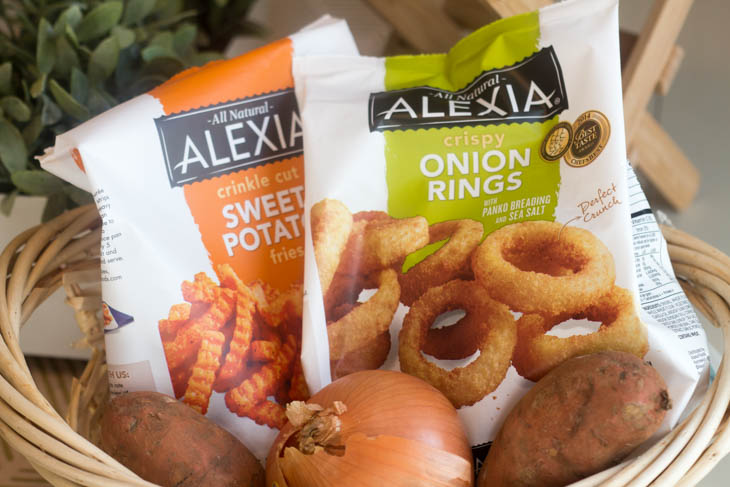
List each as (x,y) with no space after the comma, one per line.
(584,416)
(166,442)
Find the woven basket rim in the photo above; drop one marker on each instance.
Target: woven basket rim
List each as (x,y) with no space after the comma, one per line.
(31,269)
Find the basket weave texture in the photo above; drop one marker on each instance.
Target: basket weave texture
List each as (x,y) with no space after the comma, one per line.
(64,252)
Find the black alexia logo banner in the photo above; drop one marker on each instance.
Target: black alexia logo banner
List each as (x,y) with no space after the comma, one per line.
(219,139)
(529,91)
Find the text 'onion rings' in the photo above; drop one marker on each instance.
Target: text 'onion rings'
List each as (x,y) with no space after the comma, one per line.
(621,330)
(544,267)
(449,262)
(462,385)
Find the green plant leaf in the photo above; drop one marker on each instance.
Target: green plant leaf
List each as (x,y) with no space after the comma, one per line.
(66,57)
(10,49)
(184,39)
(13,152)
(148,82)
(169,8)
(163,39)
(6,205)
(162,68)
(71,36)
(32,130)
(79,85)
(4,177)
(137,10)
(127,70)
(55,205)
(125,37)
(30,6)
(97,103)
(45,48)
(151,53)
(6,78)
(24,90)
(99,21)
(15,108)
(38,86)
(110,99)
(103,60)
(204,57)
(67,102)
(78,195)
(71,17)
(37,182)
(50,113)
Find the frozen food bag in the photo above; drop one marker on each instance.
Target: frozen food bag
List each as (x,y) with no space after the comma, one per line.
(469,221)
(200,186)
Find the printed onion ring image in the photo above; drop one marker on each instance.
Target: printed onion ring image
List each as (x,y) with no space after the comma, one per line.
(456,341)
(342,295)
(366,321)
(621,330)
(368,357)
(331,225)
(378,242)
(449,262)
(463,385)
(351,261)
(544,267)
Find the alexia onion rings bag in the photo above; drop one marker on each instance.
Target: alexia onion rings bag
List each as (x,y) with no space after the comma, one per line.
(468,217)
(200,185)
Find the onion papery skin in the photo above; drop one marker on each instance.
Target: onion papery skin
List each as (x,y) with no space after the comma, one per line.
(397,431)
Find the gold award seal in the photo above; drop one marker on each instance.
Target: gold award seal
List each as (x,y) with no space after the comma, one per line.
(590,134)
(557,142)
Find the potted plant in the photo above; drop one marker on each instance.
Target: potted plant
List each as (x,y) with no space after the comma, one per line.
(63,62)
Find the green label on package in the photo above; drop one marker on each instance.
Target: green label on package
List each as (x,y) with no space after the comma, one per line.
(468,143)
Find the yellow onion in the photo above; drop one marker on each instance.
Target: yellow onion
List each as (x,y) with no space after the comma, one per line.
(371,429)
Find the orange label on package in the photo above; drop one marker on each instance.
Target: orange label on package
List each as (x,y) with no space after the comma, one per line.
(237,153)
(252,219)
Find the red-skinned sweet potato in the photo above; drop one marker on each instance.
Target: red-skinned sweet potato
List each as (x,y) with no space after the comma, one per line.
(166,442)
(584,416)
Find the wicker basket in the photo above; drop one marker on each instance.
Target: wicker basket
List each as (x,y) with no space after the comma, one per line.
(64,252)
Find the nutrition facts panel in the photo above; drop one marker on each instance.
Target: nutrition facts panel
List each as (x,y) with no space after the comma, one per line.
(660,294)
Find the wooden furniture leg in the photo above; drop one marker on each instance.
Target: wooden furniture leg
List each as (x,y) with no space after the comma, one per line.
(649,58)
(664,164)
(421,23)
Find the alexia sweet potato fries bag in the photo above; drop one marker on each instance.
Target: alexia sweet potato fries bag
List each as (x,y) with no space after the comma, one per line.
(200,185)
(469,221)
